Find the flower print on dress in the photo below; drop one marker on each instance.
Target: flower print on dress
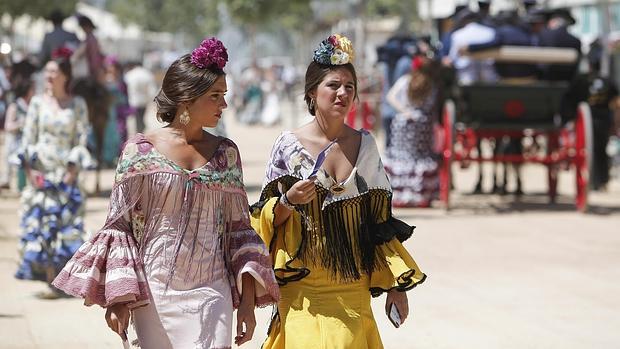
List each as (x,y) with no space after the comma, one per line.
(231,157)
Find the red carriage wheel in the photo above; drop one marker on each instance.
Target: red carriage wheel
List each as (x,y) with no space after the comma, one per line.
(445,178)
(583,154)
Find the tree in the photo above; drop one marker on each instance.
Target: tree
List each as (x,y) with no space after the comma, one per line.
(256,15)
(36,8)
(33,8)
(195,18)
(405,9)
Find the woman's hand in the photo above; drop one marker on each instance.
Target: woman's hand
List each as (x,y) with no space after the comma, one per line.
(35,178)
(70,176)
(302,192)
(400,300)
(245,312)
(117,317)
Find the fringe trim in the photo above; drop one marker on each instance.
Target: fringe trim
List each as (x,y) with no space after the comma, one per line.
(341,236)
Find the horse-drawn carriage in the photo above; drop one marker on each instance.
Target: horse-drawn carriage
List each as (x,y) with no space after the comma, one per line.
(502,110)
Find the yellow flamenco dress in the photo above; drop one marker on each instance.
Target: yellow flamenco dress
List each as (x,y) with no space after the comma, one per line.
(333,253)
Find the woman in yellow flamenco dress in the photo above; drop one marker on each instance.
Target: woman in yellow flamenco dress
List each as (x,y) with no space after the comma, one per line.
(325,213)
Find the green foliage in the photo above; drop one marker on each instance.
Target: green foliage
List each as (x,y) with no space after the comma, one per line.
(196,18)
(405,9)
(36,8)
(199,18)
(290,14)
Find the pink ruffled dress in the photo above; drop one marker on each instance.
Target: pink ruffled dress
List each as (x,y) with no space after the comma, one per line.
(174,247)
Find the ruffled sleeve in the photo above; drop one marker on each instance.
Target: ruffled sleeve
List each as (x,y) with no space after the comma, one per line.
(244,250)
(79,154)
(283,241)
(397,269)
(400,272)
(108,268)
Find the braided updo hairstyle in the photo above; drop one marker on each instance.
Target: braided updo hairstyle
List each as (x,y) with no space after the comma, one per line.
(184,82)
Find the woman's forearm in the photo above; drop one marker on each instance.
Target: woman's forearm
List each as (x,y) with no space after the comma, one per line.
(281,214)
(247,289)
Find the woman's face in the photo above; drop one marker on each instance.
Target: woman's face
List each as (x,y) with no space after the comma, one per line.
(334,95)
(55,79)
(208,108)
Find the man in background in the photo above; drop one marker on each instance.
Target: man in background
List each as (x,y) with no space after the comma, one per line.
(141,90)
(57,38)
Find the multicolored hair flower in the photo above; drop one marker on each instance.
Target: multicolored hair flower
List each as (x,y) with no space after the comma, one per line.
(210,54)
(335,50)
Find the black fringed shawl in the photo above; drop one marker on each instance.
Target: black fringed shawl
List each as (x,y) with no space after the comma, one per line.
(339,232)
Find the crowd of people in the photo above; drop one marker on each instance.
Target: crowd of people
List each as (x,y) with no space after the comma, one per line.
(262,91)
(75,120)
(418,76)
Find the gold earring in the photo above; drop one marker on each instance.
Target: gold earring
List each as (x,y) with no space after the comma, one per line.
(184,117)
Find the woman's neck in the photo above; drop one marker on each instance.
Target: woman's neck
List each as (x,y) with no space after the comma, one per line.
(187,132)
(59,94)
(331,129)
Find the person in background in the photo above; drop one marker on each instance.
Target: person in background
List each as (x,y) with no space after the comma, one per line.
(116,128)
(141,90)
(5,89)
(177,253)
(446,37)
(528,5)
(52,153)
(484,13)
(471,32)
(91,50)
(57,38)
(325,213)
(90,84)
(396,58)
(23,90)
(601,94)
(556,35)
(410,160)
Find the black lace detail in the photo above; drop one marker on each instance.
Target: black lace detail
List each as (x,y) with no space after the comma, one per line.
(404,282)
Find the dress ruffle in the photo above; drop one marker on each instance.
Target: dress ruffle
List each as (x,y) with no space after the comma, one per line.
(248,254)
(80,157)
(283,242)
(400,273)
(52,225)
(106,270)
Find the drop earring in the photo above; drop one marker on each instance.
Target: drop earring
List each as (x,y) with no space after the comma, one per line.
(184,117)
(312,104)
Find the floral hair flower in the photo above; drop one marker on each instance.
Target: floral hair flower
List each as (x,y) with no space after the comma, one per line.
(417,62)
(335,50)
(62,52)
(210,54)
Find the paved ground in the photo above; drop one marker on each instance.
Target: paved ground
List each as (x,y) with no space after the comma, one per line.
(503,273)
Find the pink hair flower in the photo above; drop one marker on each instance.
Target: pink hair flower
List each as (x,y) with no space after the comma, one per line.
(210,54)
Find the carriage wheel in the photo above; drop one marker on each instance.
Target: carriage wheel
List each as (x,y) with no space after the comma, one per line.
(445,178)
(583,155)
